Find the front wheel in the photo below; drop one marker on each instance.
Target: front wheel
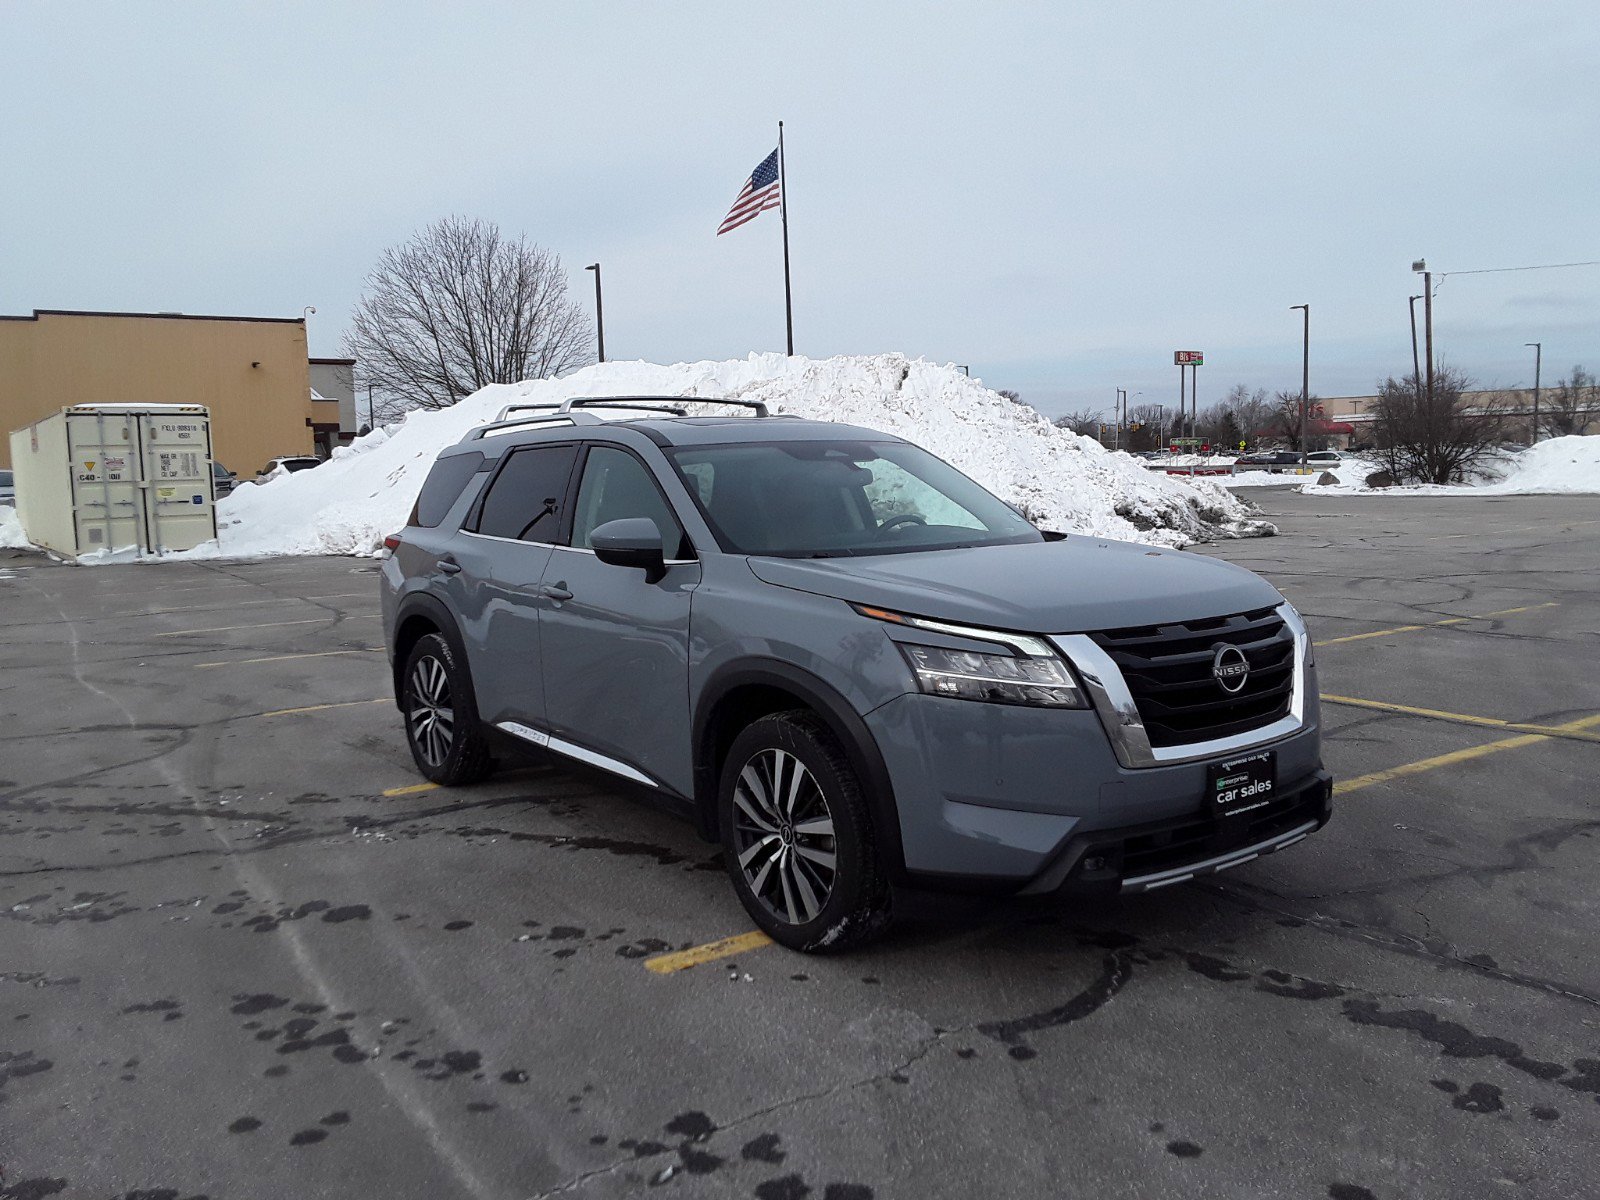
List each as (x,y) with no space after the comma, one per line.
(797,837)
(442,727)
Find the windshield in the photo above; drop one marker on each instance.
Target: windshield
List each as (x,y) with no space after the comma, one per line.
(825,499)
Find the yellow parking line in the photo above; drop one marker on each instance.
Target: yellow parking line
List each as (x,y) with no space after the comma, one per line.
(1462,718)
(411,789)
(284,658)
(1457,756)
(682,960)
(231,628)
(311,708)
(1504,612)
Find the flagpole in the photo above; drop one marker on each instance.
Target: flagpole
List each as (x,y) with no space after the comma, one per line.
(783,211)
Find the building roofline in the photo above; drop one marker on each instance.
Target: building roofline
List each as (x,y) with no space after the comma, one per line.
(333,362)
(155,316)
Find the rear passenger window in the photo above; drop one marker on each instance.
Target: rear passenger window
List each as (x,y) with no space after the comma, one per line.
(443,488)
(524,501)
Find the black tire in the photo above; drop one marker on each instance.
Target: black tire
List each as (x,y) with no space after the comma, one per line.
(770,820)
(447,739)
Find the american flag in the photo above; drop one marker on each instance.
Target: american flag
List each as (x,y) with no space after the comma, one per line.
(760,193)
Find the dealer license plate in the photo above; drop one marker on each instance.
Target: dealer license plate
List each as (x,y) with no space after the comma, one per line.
(1241,784)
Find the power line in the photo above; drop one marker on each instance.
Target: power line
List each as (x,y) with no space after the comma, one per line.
(1502,270)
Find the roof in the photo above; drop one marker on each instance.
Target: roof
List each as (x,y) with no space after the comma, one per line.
(155,316)
(668,431)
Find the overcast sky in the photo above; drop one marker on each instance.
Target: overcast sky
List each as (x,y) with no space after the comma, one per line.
(1059,195)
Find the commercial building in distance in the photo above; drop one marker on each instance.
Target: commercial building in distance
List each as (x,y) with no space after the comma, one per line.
(252,373)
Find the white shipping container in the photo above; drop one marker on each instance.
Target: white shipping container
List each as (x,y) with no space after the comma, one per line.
(113,476)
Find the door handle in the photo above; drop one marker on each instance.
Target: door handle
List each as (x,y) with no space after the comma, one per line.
(449,565)
(555,591)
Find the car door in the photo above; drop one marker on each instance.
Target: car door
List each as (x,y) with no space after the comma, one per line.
(615,648)
(511,533)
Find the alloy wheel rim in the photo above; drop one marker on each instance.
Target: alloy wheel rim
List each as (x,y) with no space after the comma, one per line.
(432,717)
(784,837)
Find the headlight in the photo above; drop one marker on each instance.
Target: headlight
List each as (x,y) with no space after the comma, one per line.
(1032,674)
(997,678)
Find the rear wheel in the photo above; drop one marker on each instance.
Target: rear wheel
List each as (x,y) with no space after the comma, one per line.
(446,738)
(797,837)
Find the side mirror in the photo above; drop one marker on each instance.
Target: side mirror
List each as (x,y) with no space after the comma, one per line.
(631,542)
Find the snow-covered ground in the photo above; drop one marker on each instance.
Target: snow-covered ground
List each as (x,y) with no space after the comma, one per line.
(11,536)
(1061,480)
(1560,466)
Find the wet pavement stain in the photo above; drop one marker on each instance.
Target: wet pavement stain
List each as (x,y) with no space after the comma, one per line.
(33,1189)
(1480,1098)
(763,1148)
(170,1009)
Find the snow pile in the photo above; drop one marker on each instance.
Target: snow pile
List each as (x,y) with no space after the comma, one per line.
(1061,480)
(1560,466)
(11,535)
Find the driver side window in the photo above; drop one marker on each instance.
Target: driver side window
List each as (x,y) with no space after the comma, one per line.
(615,485)
(895,492)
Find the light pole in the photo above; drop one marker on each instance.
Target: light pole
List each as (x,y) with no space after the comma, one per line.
(1416,366)
(599,313)
(1305,378)
(1421,268)
(1118,409)
(1538,354)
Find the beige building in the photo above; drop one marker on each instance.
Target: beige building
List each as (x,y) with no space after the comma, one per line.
(251,372)
(1354,414)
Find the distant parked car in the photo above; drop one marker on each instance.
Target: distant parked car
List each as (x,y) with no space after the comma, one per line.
(1326,457)
(8,489)
(223,480)
(290,463)
(1270,458)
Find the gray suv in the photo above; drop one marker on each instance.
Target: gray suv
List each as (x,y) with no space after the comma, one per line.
(845,661)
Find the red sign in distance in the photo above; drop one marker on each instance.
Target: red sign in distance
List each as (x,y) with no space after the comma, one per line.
(1188,358)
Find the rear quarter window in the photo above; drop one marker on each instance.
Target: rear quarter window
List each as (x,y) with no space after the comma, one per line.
(443,487)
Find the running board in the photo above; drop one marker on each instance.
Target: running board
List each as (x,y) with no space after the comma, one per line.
(546,742)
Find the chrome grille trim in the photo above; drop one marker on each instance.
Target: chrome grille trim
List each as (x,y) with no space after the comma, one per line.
(1125,727)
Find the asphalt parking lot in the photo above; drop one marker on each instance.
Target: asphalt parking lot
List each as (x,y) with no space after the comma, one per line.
(245,955)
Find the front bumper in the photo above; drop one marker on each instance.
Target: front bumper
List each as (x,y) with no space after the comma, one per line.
(1003,798)
(1142,858)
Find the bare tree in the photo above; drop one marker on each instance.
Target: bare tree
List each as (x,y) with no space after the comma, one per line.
(1148,434)
(1251,409)
(460,306)
(1085,421)
(1573,405)
(1437,442)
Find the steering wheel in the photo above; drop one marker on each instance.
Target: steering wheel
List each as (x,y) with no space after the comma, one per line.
(902,519)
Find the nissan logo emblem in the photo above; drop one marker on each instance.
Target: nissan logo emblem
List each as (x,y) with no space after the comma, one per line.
(1230,668)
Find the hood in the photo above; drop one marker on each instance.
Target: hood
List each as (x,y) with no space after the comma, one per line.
(1071,586)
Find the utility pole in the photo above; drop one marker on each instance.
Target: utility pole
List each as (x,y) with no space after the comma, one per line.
(1538,354)
(1416,365)
(1305,378)
(599,314)
(1421,268)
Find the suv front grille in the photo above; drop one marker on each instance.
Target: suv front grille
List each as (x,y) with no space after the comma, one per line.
(1168,671)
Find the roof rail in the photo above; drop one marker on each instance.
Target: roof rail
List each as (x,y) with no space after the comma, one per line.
(531,406)
(577,418)
(672,404)
(655,404)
